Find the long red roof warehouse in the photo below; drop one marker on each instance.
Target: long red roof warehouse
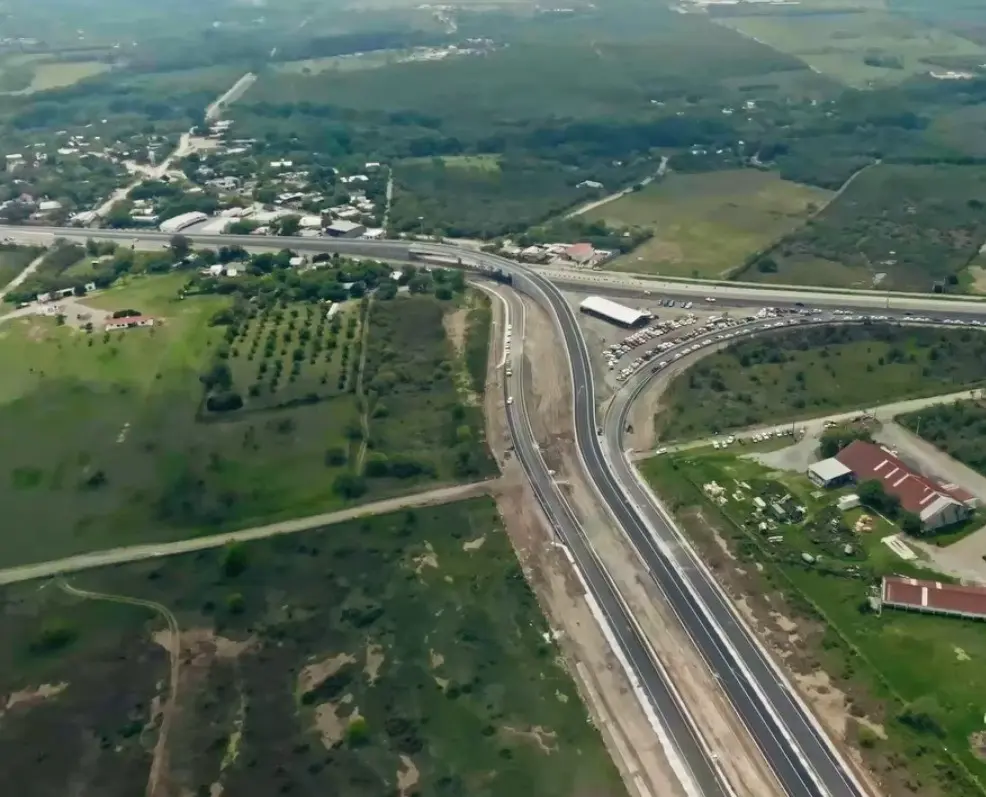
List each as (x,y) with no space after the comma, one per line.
(916,492)
(934,596)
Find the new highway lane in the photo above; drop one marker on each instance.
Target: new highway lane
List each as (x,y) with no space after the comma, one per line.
(701,776)
(799,752)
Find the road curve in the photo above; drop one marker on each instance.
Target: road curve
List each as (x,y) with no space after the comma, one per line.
(803,758)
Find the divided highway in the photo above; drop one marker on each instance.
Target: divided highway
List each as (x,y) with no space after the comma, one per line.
(801,755)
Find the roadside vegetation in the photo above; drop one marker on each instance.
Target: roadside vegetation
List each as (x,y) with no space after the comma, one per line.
(810,372)
(400,654)
(958,429)
(227,412)
(902,688)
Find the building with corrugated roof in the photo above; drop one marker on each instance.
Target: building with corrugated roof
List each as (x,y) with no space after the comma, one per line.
(936,505)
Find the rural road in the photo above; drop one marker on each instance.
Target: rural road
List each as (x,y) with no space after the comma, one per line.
(174,668)
(800,753)
(133,553)
(238,89)
(814,426)
(622,193)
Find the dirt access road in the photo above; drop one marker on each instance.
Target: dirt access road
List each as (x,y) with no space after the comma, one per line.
(187,144)
(133,553)
(159,758)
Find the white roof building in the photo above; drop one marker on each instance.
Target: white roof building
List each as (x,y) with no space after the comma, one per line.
(827,472)
(178,223)
(611,311)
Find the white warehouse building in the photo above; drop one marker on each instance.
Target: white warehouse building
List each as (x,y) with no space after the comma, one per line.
(179,223)
(613,312)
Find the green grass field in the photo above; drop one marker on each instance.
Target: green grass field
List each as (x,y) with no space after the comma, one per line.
(706,225)
(56,74)
(400,654)
(104,441)
(810,372)
(886,664)
(29,73)
(858,49)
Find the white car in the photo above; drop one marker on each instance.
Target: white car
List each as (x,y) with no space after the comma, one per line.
(510,399)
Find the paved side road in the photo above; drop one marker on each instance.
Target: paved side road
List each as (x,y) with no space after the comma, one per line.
(133,553)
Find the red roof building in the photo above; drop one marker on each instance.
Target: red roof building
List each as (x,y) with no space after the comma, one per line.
(934,597)
(937,506)
(580,253)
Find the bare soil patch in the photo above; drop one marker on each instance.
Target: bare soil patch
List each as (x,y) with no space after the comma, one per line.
(314,674)
(32,696)
(374,661)
(407,776)
(456,326)
(543,738)
(331,728)
(426,559)
(474,545)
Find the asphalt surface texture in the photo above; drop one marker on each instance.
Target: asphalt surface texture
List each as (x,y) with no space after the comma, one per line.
(788,735)
(645,668)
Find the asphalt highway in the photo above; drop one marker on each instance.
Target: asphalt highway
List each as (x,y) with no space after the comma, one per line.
(701,776)
(796,748)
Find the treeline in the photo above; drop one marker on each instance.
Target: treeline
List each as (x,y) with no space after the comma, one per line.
(268,277)
(957,429)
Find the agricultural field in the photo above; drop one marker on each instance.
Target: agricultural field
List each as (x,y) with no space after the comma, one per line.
(401,654)
(896,227)
(14,259)
(25,74)
(860,49)
(707,225)
(151,461)
(295,353)
(811,372)
(904,689)
(957,429)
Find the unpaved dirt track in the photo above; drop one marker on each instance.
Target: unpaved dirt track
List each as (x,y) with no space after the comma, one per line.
(551,416)
(133,553)
(160,758)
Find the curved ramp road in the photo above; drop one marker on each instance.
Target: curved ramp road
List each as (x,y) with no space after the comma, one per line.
(803,758)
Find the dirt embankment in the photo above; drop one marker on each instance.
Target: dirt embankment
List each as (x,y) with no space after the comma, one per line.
(551,394)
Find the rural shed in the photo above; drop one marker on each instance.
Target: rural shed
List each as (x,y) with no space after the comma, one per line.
(613,312)
(829,473)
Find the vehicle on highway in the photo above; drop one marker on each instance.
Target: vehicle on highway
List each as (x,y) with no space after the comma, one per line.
(510,399)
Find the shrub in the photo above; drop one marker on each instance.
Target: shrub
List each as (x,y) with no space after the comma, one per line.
(224,402)
(234,560)
(357,732)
